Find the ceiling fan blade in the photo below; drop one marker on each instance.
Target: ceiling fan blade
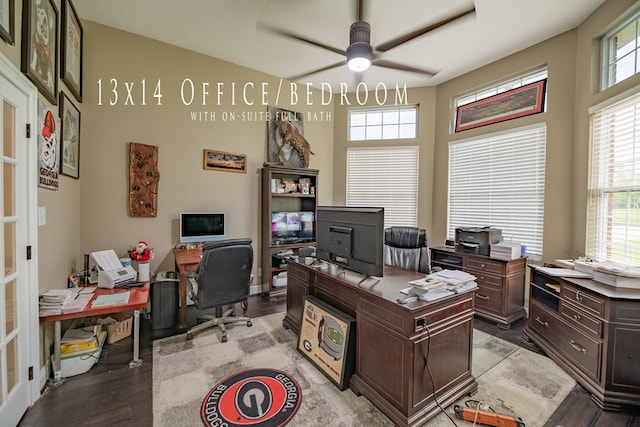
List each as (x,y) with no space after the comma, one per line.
(401,67)
(284,33)
(421,31)
(318,70)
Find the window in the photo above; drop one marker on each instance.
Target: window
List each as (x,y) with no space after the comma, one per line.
(620,58)
(383,123)
(387,177)
(498,180)
(613,211)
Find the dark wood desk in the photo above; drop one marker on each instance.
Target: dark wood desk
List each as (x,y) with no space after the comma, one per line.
(398,346)
(186,259)
(138,299)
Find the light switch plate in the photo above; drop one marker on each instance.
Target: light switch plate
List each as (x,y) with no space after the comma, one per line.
(42,215)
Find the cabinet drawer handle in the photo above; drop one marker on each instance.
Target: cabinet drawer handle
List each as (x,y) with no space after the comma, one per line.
(483,266)
(578,298)
(577,317)
(484,297)
(542,322)
(577,347)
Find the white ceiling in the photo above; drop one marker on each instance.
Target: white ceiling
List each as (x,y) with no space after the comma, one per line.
(228,29)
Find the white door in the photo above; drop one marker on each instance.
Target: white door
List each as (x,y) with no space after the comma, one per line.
(18,357)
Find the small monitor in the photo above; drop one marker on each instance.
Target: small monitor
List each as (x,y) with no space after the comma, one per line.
(202,226)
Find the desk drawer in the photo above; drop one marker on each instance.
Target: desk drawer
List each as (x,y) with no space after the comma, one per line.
(570,342)
(488,299)
(582,299)
(488,265)
(581,320)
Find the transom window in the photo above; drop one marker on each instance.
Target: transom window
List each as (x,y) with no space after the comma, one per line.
(620,52)
(383,123)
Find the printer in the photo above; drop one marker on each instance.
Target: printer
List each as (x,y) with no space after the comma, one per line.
(476,240)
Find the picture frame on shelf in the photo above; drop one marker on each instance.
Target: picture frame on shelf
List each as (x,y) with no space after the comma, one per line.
(70,141)
(224,161)
(519,102)
(39,60)
(7,21)
(71,49)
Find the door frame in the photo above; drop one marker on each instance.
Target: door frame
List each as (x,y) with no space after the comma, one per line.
(20,81)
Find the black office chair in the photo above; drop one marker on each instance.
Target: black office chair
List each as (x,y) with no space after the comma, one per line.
(407,247)
(222,279)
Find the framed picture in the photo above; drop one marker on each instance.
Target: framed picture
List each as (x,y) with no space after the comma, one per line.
(70,146)
(7,28)
(40,46)
(223,161)
(71,49)
(327,339)
(514,103)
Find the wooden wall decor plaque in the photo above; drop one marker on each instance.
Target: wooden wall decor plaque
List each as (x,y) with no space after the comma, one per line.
(143,180)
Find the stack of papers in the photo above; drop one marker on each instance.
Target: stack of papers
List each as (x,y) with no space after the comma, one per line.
(615,274)
(441,284)
(52,302)
(505,251)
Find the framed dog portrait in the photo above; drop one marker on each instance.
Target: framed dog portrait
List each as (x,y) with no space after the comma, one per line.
(40,46)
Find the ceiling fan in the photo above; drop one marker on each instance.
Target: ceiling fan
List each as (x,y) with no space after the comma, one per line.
(360,54)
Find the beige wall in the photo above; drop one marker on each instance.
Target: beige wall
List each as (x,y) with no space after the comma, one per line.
(184,185)
(425,99)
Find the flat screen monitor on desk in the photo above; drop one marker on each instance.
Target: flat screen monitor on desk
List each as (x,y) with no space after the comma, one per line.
(351,237)
(202,226)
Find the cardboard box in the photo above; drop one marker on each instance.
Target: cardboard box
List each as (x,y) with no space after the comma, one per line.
(119,330)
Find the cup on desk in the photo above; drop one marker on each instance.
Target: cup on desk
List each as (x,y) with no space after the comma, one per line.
(143,271)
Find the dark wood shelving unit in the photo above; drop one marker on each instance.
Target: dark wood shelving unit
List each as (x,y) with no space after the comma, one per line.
(276,248)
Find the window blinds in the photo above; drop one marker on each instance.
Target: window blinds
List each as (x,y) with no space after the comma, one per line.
(387,177)
(498,180)
(613,211)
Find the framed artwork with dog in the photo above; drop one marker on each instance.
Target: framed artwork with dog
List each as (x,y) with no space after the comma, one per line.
(40,46)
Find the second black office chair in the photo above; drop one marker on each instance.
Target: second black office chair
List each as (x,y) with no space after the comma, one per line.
(222,279)
(408,248)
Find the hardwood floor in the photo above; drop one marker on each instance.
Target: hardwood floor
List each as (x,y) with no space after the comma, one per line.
(112,394)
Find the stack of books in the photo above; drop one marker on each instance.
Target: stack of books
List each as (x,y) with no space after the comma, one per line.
(53,301)
(505,251)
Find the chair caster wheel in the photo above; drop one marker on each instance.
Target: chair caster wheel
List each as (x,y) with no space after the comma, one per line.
(189,336)
(224,338)
(249,323)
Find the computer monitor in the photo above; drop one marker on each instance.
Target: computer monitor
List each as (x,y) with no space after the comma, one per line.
(351,237)
(202,226)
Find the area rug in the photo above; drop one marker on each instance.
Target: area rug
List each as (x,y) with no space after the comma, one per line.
(511,380)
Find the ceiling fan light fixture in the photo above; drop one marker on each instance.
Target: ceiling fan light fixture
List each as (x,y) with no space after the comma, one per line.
(359,57)
(359,52)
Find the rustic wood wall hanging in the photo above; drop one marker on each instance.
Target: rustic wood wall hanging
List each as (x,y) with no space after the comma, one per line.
(143,180)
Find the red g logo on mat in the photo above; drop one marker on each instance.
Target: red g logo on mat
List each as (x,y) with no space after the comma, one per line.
(252,398)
